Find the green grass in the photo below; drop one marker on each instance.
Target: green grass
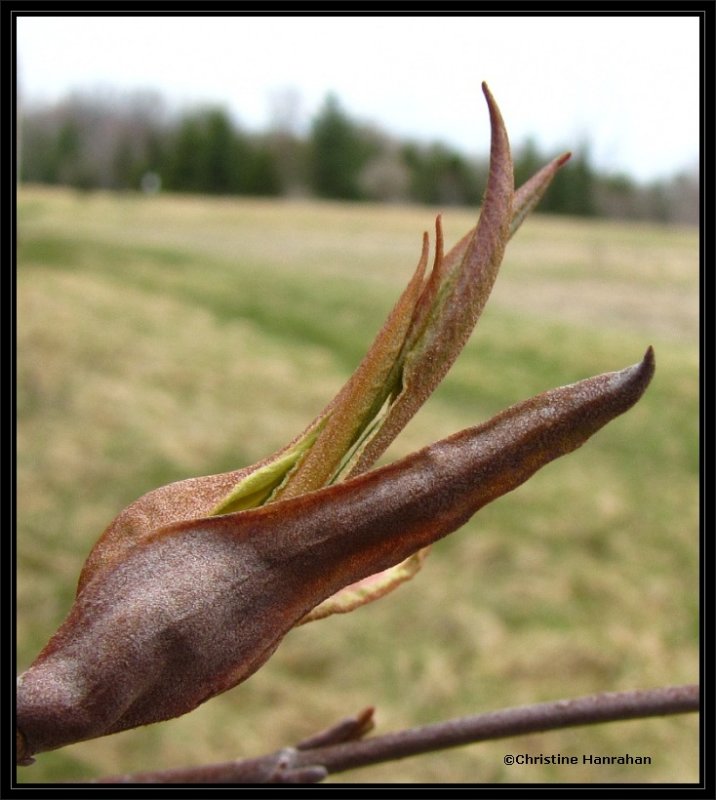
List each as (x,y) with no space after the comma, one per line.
(166,337)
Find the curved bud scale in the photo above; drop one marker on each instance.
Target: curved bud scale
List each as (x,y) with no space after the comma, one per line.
(197,607)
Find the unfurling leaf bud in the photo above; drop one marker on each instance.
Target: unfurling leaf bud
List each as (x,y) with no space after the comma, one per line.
(193,586)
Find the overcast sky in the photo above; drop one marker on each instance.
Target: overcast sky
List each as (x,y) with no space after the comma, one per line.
(628,85)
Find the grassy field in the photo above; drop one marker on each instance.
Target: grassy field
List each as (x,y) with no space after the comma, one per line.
(166,337)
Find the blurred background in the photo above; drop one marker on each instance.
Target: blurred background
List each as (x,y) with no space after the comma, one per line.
(368,108)
(215,215)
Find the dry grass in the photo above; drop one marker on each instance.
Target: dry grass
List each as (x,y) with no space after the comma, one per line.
(165,337)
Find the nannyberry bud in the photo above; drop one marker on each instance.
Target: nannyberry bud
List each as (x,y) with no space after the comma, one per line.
(193,586)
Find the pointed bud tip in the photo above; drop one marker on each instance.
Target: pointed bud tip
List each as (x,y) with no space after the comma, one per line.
(626,386)
(488,94)
(648,363)
(563,159)
(486,91)
(640,375)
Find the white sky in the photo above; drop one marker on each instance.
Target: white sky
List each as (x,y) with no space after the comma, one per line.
(628,85)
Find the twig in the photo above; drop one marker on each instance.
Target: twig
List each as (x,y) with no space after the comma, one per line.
(346,730)
(311,763)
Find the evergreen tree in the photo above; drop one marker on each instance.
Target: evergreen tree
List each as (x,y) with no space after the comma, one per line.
(220,155)
(441,176)
(261,175)
(574,189)
(338,153)
(184,168)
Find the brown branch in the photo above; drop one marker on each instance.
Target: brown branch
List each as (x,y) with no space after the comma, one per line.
(309,763)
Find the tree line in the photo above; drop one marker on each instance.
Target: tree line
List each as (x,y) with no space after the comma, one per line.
(131,143)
